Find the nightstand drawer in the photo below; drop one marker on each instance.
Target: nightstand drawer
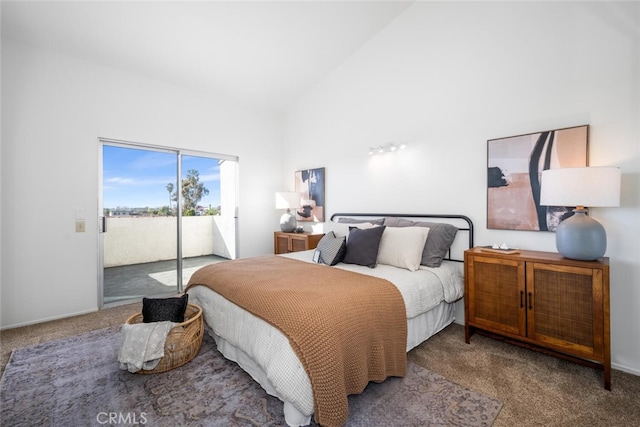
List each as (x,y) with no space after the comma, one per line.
(294,242)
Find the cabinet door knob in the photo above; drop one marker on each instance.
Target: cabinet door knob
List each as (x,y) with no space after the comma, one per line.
(521,299)
(530,301)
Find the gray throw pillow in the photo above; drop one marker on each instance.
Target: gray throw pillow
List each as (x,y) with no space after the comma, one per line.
(331,248)
(379,221)
(363,245)
(439,239)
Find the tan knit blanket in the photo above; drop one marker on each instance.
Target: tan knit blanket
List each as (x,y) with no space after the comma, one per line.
(346,328)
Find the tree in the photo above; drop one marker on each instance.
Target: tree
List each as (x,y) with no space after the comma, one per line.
(192,192)
(212,211)
(170,190)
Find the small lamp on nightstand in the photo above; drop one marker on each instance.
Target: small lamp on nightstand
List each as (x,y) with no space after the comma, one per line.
(288,201)
(579,236)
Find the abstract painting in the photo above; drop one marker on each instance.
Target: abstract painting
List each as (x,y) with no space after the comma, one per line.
(514,165)
(310,184)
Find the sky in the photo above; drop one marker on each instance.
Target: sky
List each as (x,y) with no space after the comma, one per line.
(135,178)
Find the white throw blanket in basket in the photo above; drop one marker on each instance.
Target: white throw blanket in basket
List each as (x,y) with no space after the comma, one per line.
(142,345)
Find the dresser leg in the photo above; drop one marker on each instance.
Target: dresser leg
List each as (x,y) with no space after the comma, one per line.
(607,377)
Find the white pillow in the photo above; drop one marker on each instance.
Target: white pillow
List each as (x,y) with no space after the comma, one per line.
(402,246)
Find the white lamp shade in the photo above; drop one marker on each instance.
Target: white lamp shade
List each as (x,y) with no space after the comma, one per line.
(589,186)
(287,200)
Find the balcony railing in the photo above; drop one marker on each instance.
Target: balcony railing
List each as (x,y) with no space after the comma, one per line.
(137,240)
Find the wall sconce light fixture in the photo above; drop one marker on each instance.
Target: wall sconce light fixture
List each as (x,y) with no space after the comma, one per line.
(387,148)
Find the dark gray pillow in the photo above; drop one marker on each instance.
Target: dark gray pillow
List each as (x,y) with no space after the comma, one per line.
(331,248)
(439,239)
(379,221)
(164,309)
(362,246)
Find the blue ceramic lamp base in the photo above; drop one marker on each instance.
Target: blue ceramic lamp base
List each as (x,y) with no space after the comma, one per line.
(288,222)
(581,237)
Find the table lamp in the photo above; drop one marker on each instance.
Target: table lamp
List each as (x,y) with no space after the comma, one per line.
(288,201)
(579,236)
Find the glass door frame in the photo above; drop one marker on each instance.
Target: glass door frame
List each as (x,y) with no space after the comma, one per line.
(179,152)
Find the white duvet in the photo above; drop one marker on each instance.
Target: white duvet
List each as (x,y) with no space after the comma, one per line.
(264,352)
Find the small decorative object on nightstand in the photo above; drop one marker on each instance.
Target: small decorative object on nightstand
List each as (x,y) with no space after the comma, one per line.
(540,301)
(294,242)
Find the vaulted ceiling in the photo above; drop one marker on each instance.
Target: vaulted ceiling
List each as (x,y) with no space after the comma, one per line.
(262,54)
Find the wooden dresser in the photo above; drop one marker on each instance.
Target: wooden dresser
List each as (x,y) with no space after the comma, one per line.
(293,242)
(541,301)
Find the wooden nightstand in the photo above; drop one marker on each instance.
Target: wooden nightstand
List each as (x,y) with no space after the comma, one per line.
(541,301)
(294,242)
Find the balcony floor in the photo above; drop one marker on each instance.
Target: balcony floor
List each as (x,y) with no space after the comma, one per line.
(129,283)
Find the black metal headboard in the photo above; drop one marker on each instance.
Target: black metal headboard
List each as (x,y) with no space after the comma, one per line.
(459,221)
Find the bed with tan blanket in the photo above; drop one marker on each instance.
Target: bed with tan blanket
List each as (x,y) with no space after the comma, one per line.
(311,333)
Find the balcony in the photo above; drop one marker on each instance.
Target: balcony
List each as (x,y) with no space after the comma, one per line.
(140,253)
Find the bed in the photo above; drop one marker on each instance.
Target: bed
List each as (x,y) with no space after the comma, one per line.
(416,266)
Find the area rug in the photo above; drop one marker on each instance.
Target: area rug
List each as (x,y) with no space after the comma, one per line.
(76,381)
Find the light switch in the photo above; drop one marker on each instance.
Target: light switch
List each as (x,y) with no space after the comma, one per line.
(80,226)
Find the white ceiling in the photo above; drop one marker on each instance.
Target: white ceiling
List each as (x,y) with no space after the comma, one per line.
(263,54)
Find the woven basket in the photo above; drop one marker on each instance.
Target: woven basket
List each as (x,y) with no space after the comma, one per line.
(183,341)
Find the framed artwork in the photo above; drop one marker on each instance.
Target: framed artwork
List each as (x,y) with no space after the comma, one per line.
(514,166)
(310,184)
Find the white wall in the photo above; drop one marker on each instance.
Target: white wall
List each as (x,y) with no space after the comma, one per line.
(448,77)
(54,109)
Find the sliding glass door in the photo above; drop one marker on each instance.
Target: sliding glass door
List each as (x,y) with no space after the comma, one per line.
(208,220)
(163,214)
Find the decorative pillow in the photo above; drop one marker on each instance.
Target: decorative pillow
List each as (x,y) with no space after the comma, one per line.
(331,248)
(164,309)
(402,247)
(439,240)
(362,246)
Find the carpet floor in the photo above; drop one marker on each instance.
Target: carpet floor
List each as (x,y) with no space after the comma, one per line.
(77,381)
(537,390)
